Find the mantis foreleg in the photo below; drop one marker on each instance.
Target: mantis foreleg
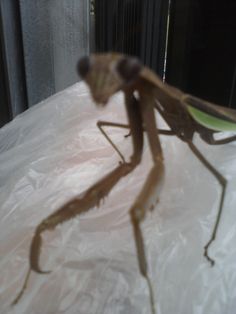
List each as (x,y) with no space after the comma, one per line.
(138,211)
(148,196)
(73,208)
(91,198)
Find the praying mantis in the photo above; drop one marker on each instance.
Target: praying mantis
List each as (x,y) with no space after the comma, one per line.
(144,93)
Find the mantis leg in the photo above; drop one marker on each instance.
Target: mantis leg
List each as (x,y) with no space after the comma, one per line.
(91,198)
(147,198)
(101,124)
(145,201)
(165,132)
(209,139)
(160,132)
(223,183)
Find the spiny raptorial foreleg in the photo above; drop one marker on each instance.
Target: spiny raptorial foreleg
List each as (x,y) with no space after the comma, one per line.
(73,208)
(144,202)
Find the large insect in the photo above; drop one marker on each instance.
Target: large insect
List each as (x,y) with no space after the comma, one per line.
(144,92)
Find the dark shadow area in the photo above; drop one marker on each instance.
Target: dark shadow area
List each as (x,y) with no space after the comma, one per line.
(202,49)
(201,43)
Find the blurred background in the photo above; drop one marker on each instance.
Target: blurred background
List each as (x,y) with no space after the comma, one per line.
(189,43)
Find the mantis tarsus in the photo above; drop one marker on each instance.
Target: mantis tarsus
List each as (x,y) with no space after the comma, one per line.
(144,93)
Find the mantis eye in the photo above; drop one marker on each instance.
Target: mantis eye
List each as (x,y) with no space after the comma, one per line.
(128,68)
(83,66)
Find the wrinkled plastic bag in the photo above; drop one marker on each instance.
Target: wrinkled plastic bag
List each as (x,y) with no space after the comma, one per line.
(53,152)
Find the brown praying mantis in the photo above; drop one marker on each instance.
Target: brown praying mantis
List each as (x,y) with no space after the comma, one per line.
(144,92)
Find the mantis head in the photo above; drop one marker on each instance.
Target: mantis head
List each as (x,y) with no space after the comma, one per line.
(106,74)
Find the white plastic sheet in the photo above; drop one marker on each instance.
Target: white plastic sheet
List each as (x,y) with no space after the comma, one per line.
(53,152)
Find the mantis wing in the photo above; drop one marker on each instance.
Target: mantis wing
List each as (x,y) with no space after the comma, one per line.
(209,115)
